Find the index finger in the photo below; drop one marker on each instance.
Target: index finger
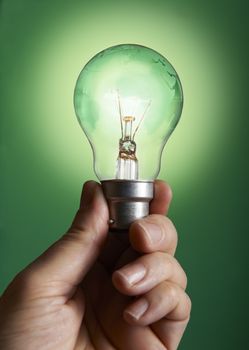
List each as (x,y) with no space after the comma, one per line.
(142,233)
(153,234)
(162,198)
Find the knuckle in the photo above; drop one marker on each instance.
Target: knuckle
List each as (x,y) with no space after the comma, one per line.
(188,306)
(172,292)
(168,263)
(161,257)
(184,280)
(181,273)
(158,266)
(170,230)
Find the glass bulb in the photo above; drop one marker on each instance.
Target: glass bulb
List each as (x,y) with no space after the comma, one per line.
(128,100)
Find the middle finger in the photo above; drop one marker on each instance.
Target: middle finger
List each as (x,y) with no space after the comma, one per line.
(147,271)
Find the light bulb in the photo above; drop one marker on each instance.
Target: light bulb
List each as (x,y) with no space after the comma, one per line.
(128,100)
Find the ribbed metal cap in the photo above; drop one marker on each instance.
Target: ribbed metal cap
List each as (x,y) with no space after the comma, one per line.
(128,200)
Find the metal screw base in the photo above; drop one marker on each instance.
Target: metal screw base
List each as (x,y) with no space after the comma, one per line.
(128,200)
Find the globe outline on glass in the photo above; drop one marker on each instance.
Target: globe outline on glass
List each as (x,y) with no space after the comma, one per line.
(128,100)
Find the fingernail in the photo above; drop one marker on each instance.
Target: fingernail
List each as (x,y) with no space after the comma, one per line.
(153,231)
(138,309)
(132,274)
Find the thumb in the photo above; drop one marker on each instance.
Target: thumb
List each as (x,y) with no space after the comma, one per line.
(69,259)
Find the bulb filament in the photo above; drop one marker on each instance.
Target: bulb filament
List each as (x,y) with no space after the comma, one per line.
(127,163)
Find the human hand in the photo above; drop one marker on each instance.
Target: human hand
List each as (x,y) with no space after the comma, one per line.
(94,290)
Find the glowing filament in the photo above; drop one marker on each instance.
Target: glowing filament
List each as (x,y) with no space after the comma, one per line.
(127,163)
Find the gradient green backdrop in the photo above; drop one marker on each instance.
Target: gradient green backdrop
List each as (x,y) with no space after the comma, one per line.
(45,158)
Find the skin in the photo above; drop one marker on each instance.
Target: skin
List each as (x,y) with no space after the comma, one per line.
(98,290)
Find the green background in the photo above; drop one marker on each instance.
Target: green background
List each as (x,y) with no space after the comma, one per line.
(45,158)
